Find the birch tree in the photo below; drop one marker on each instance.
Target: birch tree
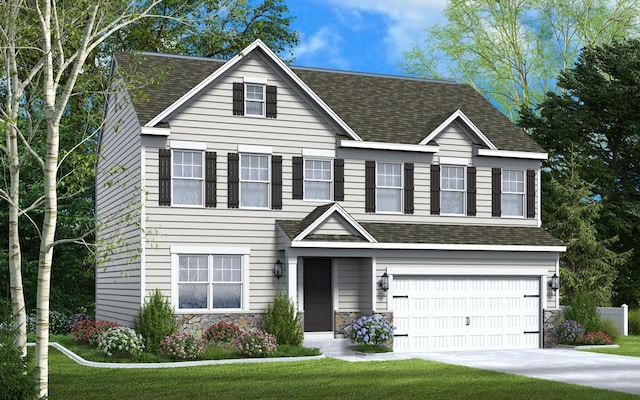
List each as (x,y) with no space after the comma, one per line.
(512,50)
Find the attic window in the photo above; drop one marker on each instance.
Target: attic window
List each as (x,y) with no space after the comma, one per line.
(255,99)
(255,95)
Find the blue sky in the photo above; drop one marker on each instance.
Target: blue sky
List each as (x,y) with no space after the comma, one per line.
(360,35)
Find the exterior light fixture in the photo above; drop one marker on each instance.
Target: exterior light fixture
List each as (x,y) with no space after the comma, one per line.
(277,269)
(384,282)
(555,282)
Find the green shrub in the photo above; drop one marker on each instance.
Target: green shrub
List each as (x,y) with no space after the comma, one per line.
(58,323)
(608,327)
(634,322)
(120,339)
(156,321)
(17,378)
(584,310)
(282,321)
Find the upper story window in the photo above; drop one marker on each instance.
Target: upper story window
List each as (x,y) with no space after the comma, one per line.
(254,180)
(389,187)
(317,179)
(513,193)
(452,189)
(255,99)
(187,177)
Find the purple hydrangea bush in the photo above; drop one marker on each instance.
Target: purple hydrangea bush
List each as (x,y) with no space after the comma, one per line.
(569,332)
(371,330)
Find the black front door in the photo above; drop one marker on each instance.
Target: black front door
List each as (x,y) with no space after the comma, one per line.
(317,295)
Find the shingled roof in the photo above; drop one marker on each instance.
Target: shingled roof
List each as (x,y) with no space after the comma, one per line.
(378,108)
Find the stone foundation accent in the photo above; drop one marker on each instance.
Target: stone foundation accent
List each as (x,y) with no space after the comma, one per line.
(195,324)
(343,319)
(551,318)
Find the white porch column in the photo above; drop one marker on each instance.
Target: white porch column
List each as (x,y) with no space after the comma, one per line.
(292,279)
(374,287)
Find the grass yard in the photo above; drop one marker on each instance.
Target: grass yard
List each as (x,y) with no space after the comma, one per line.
(629,346)
(318,379)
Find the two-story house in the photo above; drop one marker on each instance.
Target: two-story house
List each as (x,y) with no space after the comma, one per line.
(222,183)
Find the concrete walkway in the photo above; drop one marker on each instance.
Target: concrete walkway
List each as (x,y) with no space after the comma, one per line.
(602,371)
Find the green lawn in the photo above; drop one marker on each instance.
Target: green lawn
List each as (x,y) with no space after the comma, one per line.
(629,346)
(317,379)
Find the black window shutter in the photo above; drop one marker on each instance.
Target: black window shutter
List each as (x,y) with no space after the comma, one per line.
(238,98)
(164,177)
(272,102)
(338,179)
(531,194)
(496,192)
(370,186)
(471,191)
(276,182)
(210,182)
(233,198)
(435,190)
(297,182)
(408,188)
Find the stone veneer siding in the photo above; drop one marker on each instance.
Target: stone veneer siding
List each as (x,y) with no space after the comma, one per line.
(197,323)
(551,318)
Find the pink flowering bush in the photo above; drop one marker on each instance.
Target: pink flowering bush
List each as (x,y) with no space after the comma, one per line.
(181,346)
(88,331)
(222,333)
(256,343)
(101,326)
(594,338)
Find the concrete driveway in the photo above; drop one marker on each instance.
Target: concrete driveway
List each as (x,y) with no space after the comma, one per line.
(601,371)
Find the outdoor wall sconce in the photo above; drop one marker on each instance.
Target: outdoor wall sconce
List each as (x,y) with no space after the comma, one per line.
(555,282)
(384,282)
(277,269)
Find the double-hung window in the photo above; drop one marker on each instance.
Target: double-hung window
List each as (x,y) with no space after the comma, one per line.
(317,179)
(452,189)
(389,187)
(210,281)
(513,193)
(254,99)
(254,180)
(187,177)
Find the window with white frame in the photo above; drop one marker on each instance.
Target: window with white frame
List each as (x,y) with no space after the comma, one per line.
(254,99)
(452,189)
(513,193)
(317,179)
(187,177)
(254,180)
(210,281)
(389,187)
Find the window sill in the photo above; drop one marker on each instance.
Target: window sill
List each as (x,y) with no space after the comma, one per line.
(187,206)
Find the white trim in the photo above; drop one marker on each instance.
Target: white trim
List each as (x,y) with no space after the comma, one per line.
(249,148)
(180,249)
(459,114)
(401,188)
(201,179)
(267,182)
(463,191)
(466,271)
(292,279)
(226,67)
(148,130)
(334,208)
(143,226)
(512,154)
(319,153)
(538,191)
(425,246)
(419,148)
(183,145)
(375,286)
(300,284)
(455,161)
(254,79)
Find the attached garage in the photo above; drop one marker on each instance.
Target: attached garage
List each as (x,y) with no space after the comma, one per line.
(465,312)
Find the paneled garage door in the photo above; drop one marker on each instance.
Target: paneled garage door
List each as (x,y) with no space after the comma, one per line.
(465,313)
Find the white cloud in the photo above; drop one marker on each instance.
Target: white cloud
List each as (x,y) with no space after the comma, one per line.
(405,20)
(323,43)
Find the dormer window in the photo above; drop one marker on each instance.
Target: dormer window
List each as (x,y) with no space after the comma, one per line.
(254,99)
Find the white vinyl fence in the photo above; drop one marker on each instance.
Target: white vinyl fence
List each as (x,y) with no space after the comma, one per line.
(618,315)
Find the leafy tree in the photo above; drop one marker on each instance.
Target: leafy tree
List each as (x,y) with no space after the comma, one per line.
(595,118)
(511,50)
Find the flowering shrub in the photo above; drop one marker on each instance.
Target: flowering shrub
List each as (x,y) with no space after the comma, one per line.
(256,343)
(76,318)
(181,346)
(222,333)
(83,330)
(595,338)
(102,326)
(371,330)
(57,323)
(568,332)
(120,339)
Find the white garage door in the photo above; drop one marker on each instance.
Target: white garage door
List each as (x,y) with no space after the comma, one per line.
(465,313)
